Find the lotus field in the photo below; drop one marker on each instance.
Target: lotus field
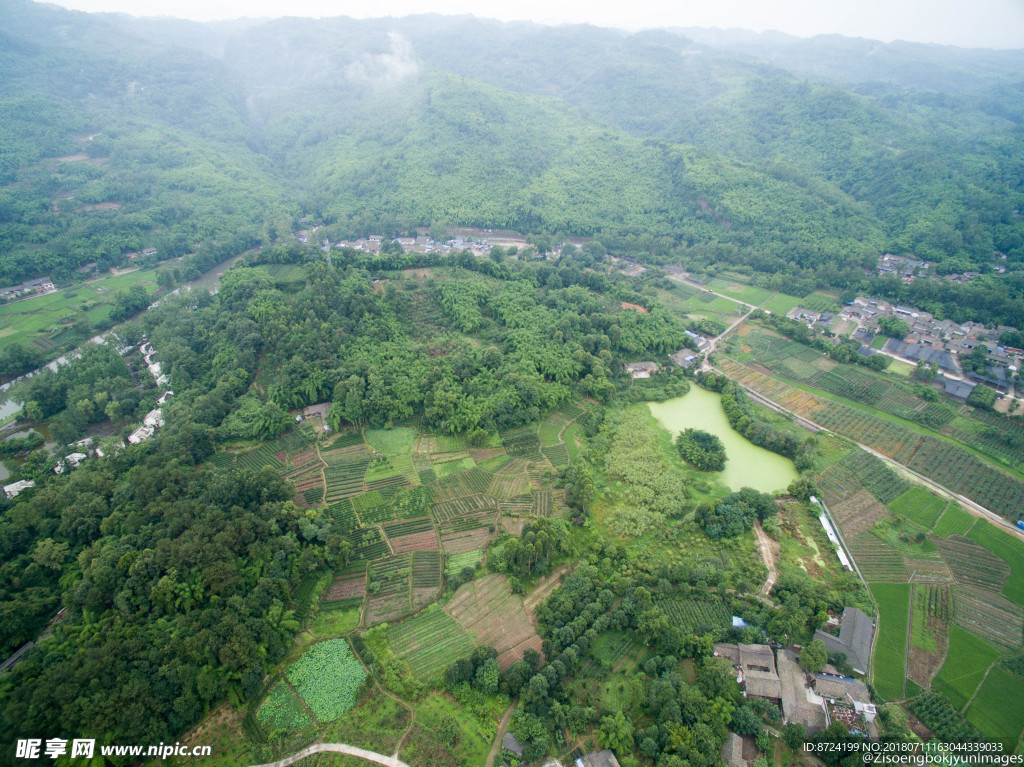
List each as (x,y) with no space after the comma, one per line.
(327,677)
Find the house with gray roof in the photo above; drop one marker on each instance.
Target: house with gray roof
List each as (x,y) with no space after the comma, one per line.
(598,759)
(854,639)
(960,390)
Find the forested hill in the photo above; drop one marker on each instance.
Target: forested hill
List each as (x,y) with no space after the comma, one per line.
(803,157)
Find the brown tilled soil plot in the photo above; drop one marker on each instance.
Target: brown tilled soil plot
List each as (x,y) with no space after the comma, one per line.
(304,458)
(465,540)
(386,608)
(427,540)
(347,588)
(482,454)
(859,513)
(495,617)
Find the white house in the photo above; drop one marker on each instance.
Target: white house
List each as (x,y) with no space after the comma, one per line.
(14,488)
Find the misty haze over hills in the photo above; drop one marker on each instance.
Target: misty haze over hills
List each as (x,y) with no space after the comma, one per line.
(763,149)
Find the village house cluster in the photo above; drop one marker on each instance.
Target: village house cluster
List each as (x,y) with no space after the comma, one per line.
(943,343)
(40,287)
(814,700)
(154,418)
(910,269)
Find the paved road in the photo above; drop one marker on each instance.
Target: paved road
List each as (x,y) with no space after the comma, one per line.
(339,748)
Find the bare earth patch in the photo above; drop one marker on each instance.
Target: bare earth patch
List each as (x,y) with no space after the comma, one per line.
(427,540)
(347,588)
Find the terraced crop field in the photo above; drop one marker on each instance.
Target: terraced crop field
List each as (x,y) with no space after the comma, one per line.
(346,587)
(509,485)
(521,504)
(890,660)
(258,458)
(367,543)
(430,642)
(542,504)
(344,515)
(411,535)
(461,507)
(966,663)
(557,454)
(345,480)
(998,709)
(972,564)
(549,434)
(694,615)
(313,495)
(1009,549)
(487,609)
(458,539)
(877,560)
(858,513)
(440,444)
(919,506)
(990,616)
(426,569)
(348,438)
(475,481)
(563,414)
(954,521)
(457,562)
(522,442)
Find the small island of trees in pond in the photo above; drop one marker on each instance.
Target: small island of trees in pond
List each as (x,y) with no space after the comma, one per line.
(701,449)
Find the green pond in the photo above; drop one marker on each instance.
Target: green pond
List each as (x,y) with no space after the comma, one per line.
(748,465)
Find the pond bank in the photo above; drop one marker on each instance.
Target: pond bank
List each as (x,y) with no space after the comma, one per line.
(748,465)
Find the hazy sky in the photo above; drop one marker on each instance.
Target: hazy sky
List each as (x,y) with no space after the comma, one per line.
(973,23)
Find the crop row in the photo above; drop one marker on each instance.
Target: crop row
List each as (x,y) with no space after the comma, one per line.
(347,439)
(394,481)
(564,413)
(258,458)
(367,543)
(430,642)
(508,485)
(972,563)
(939,716)
(464,483)
(313,496)
(468,522)
(877,560)
(408,527)
(557,454)
(461,506)
(695,616)
(426,569)
(390,575)
(991,617)
(521,504)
